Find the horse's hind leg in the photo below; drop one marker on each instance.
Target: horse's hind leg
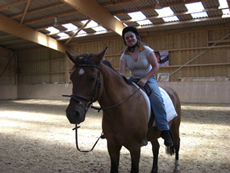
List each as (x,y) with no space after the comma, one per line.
(114,153)
(177,160)
(176,141)
(155,150)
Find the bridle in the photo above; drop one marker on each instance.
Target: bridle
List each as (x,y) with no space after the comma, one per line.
(95,91)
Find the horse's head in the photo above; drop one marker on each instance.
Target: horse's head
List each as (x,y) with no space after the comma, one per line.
(86,85)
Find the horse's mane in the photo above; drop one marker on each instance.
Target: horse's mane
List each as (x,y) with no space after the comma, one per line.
(84,59)
(107,63)
(87,59)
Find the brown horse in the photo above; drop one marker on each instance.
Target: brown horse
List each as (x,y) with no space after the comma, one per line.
(125,114)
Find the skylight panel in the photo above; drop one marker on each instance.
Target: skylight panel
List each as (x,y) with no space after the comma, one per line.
(99,29)
(137,15)
(140,18)
(167,11)
(226,13)
(199,15)
(90,24)
(223,4)
(63,35)
(144,22)
(194,7)
(82,32)
(196,10)
(70,26)
(170,19)
(52,30)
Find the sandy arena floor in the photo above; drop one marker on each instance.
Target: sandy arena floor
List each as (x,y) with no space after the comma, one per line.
(36,137)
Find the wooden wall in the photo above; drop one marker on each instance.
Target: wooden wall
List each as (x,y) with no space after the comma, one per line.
(49,66)
(30,69)
(183,45)
(8,61)
(41,66)
(8,74)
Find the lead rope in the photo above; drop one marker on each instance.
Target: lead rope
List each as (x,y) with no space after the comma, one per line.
(76,138)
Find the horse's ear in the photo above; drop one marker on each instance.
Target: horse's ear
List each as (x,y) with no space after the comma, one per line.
(73,58)
(97,59)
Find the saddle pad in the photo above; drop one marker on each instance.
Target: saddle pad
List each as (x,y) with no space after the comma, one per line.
(170,109)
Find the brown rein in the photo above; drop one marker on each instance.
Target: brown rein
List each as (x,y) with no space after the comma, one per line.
(97,108)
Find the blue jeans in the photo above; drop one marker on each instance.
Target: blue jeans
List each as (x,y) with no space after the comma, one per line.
(156,102)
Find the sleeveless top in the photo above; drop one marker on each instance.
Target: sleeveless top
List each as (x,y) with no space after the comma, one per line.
(141,67)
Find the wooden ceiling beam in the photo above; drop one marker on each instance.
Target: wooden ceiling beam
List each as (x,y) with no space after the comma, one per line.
(153,7)
(115,13)
(77,31)
(175,14)
(96,12)
(38,9)
(14,28)
(6,7)
(50,17)
(68,21)
(181,3)
(181,22)
(113,3)
(24,13)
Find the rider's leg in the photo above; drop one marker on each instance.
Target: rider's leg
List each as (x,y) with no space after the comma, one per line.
(158,108)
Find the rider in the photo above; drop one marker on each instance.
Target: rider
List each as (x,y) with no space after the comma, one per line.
(142,63)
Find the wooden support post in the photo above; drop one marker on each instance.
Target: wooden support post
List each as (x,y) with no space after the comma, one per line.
(7,66)
(67,70)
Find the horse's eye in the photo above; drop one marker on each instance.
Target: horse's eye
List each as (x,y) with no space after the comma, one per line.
(92,78)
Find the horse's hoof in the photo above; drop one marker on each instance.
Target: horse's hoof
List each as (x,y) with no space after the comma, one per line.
(176,170)
(154,171)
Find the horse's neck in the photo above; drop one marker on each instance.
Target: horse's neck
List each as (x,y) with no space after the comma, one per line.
(115,89)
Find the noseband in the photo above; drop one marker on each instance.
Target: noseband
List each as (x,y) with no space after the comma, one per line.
(95,93)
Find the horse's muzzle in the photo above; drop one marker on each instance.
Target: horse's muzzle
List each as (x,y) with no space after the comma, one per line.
(75,116)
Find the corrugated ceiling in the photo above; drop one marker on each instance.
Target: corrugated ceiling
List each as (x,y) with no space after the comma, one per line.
(42,14)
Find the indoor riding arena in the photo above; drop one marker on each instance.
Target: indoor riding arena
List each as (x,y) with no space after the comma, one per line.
(35,134)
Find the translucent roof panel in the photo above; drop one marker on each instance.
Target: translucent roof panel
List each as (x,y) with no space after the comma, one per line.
(52,30)
(196,10)
(194,7)
(170,19)
(144,22)
(223,4)
(167,11)
(70,26)
(137,15)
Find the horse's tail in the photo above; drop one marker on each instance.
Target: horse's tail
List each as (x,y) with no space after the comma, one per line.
(169,150)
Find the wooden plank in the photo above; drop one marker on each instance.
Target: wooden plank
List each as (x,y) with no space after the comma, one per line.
(96,12)
(12,27)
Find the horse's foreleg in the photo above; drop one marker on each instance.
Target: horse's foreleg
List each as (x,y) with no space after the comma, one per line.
(155,149)
(135,157)
(114,153)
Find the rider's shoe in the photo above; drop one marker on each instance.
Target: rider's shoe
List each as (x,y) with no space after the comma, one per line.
(166,135)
